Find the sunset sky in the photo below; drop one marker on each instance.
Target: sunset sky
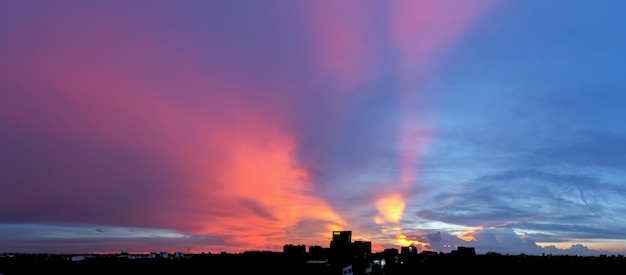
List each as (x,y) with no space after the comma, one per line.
(209,126)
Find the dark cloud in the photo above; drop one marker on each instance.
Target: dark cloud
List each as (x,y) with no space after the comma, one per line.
(111,244)
(434,242)
(56,180)
(524,193)
(499,240)
(504,241)
(81,239)
(257,208)
(592,149)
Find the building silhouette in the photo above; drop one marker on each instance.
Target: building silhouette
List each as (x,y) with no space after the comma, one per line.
(317,252)
(294,250)
(362,248)
(408,250)
(347,255)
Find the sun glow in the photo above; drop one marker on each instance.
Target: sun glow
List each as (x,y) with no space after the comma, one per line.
(468,237)
(391,208)
(404,241)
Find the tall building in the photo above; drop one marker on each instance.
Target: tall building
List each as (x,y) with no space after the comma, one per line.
(340,246)
(343,237)
(348,256)
(409,250)
(361,248)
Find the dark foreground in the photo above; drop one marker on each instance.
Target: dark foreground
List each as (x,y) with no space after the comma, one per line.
(279,263)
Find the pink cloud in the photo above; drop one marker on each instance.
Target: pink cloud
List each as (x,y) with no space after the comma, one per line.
(232,166)
(422,29)
(343,42)
(228,157)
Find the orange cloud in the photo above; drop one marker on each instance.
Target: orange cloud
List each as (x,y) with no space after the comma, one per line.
(267,188)
(235,172)
(391,207)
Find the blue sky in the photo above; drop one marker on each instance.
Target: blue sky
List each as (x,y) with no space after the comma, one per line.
(529,134)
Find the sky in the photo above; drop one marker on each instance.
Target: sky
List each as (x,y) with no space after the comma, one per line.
(210,126)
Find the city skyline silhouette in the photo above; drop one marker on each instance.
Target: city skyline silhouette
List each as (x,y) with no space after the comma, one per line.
(342,256)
